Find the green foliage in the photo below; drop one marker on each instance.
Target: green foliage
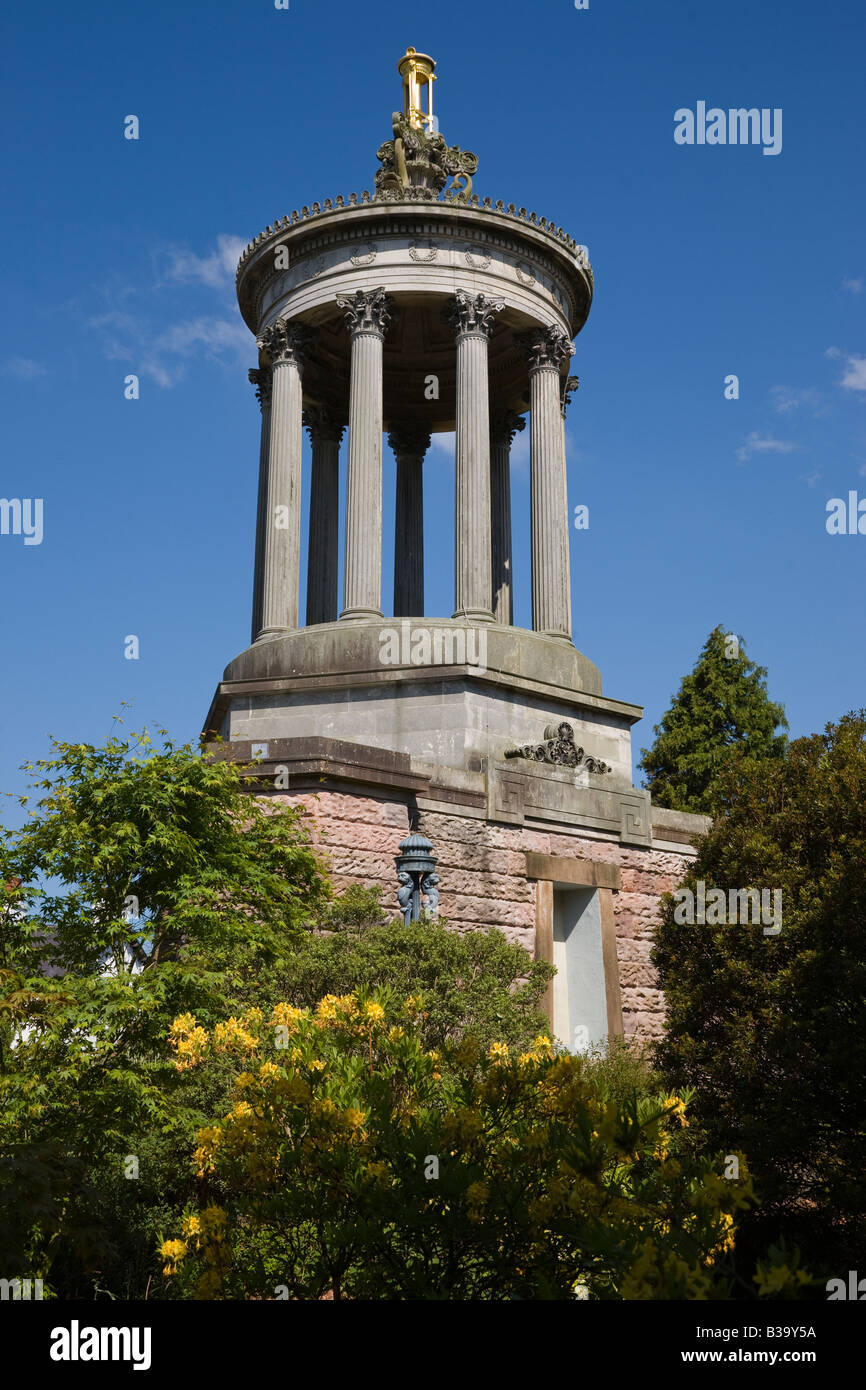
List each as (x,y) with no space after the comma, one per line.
(720,707)
(771,1030)
(356,1162)
(473,981)
(85,1071)
(622,1068)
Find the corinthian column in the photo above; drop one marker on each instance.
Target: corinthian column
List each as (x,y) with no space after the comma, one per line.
(410,443)
(503,427)
(285,344)
(471,317)
(367,316)
(261,379)
(546,350)
(326,432)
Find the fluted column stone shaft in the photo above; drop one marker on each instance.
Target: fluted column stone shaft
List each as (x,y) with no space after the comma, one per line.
(546,350)
(326,432)
(471,317)
(261,379)
(410,443)
(503,427)
(285,344)
(367,316)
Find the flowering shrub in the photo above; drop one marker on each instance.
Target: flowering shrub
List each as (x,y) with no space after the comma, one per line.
(354,1162)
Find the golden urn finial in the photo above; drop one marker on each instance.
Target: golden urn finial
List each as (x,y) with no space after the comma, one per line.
(417,71)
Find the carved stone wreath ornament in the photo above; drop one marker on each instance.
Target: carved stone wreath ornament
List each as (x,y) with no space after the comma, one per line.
(558,749)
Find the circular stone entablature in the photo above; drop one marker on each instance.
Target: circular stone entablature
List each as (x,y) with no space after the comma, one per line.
(421,252)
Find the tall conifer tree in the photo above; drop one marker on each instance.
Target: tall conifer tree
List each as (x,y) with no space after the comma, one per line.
(722,705)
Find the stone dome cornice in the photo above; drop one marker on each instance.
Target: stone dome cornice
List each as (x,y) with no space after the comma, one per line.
(362,216)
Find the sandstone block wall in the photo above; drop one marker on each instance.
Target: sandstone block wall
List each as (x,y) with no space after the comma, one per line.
(483,881)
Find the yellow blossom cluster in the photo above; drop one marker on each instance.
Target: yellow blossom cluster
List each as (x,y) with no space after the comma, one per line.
(189,1040)
(173,1252)
(235,1036)
(337,1008)
(676,1108)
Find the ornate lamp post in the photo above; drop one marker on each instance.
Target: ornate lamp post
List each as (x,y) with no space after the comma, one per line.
(416,864)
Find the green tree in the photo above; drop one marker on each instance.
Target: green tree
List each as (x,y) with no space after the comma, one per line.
(145,880)
(149,883)
(721,706)
(770,1029)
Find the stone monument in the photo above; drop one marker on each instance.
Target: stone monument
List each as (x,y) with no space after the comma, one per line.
(419,309)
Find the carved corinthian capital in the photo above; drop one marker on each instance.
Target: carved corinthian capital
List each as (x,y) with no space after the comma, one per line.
(409,440)
(471,313)
(324,424)
(504,425)
(569,386)
(285,342)
(262,379)
(544,347)
(367,311)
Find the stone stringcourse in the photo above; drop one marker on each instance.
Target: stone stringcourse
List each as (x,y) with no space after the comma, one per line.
(558,749)
(417,195)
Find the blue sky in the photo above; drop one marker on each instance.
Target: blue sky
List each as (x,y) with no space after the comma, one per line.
(119,257)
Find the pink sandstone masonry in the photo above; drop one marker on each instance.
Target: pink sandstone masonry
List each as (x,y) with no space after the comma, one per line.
(483,880)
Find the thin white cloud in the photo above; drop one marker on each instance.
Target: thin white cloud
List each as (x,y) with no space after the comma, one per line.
(854,378)
(785,398)
(853,284)
(757,443)
(216,270)
(444,443)
(164,356)
(24,368)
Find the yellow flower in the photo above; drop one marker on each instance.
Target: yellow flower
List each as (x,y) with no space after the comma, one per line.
(374,1012)
(334,1007)
(173,1252)
(232,1036)
(189,1041)
(498,1051)
(288,1017)
(677,1108)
